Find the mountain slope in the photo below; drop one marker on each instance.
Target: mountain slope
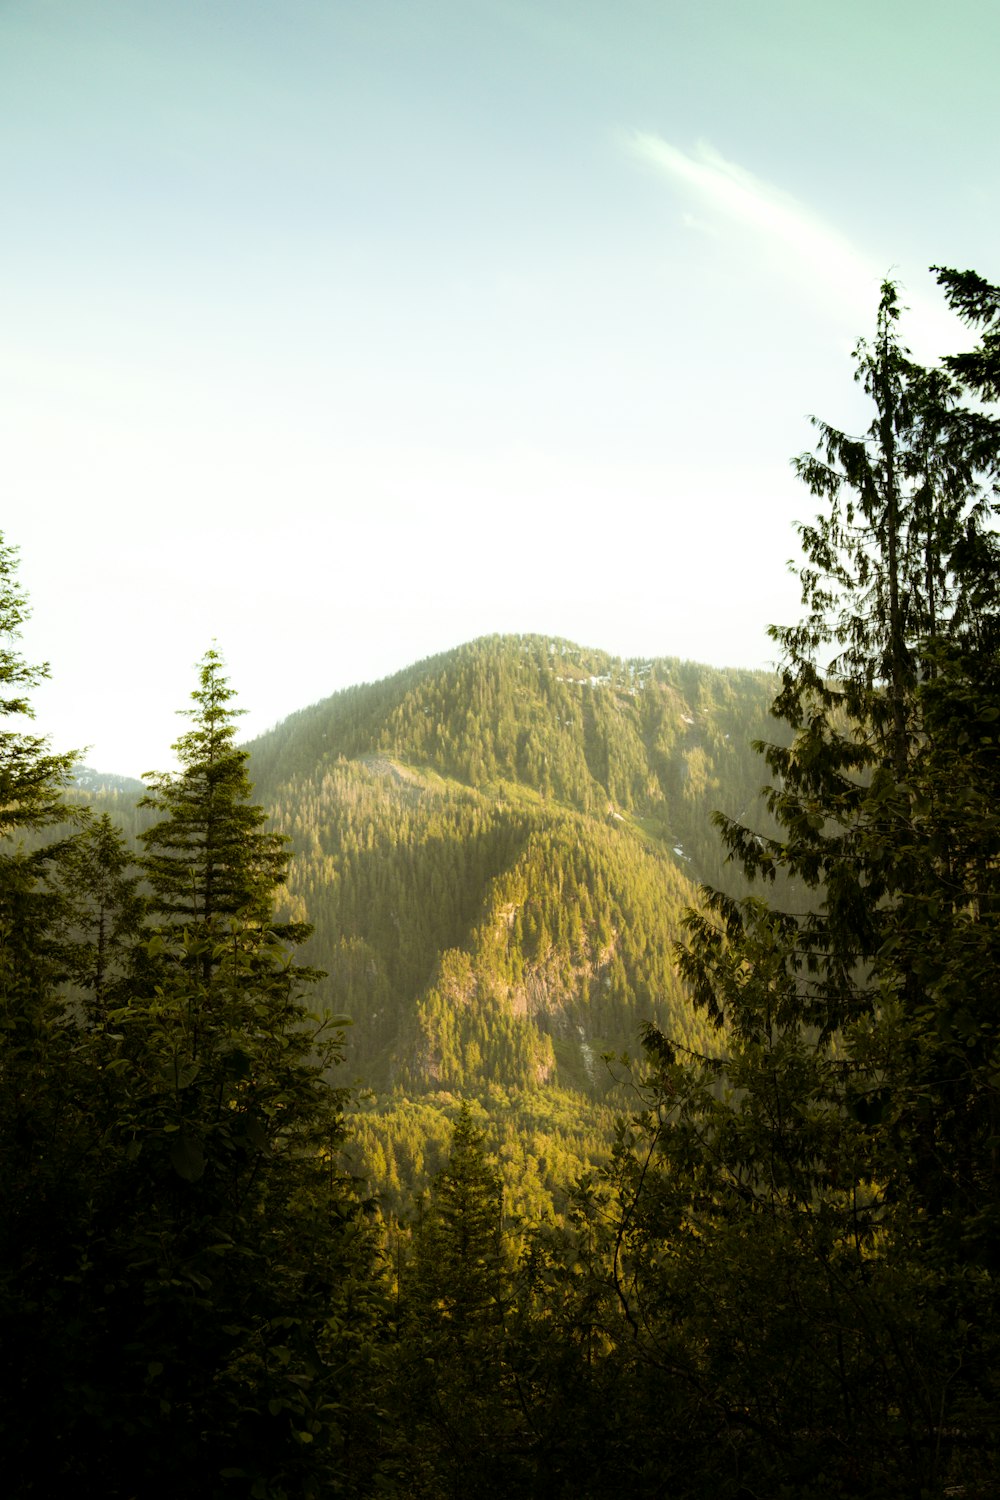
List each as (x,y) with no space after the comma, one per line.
(497,845)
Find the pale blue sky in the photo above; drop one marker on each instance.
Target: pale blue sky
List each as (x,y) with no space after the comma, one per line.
(342,331)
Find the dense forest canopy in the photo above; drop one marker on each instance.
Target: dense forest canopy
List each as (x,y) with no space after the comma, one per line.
(763,1263)
(516,825)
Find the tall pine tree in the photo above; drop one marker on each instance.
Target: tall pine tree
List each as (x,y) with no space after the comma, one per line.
(33,780)
(209,860)
(827,1184)
(187,1284)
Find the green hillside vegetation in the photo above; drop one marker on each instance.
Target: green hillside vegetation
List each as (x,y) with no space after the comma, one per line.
(468,936)
(661,740)
(542,1142)
(496,846)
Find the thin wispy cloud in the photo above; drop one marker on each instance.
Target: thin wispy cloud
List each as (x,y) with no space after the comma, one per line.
(728,197)
(749,202)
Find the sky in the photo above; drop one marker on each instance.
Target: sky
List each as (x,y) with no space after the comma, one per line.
(336,333)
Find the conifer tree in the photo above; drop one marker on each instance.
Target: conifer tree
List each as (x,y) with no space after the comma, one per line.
(31,776)
(210,860)
(452,1381)
(187,1289)
(46,1135)
(32,786)
(101,916)
(829,1178)
(230,1130)
(459,1245)
(977,302)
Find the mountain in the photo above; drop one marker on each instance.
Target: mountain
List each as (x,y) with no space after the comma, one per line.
(86,779)
(496,847)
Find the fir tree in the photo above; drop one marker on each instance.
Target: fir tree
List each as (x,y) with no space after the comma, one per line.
(210,860)
(453,1389)
(101,916)
(187,1282)
(826,1186)
(33,781)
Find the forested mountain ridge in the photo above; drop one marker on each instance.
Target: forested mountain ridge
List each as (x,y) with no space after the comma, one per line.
(496,846)
(576,725)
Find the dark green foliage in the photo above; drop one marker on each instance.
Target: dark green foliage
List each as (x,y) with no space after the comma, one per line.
(33,781)
(939,964)
(458,1264)
(807,1224)
(544,1140)
(32,778)
(186,1280)
(977,302)
(101,915)
(459,1427)
(209,857)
